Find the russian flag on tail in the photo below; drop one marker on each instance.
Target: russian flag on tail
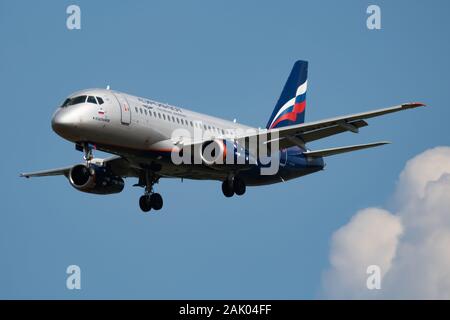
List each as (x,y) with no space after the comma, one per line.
(290,108)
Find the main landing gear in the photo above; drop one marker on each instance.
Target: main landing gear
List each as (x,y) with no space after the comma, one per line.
(150,200)
(233,186)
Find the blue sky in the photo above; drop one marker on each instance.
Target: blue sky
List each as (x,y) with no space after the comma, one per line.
(228,59)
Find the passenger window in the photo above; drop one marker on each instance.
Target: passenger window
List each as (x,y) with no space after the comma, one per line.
(178,120)
(91,99)
(100,100)
(140,109)
(192,124)
(145,111)
(173,118)
(154,114)
(164,116)
(135,108)
(159,115)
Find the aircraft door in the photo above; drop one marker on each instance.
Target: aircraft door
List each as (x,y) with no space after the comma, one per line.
(125,111)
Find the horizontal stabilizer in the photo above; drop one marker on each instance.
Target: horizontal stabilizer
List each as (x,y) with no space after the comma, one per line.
(333,151)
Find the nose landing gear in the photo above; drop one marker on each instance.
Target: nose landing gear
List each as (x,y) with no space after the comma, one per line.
(86,148)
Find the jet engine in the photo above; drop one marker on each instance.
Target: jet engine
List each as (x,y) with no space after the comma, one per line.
(95,179)
(213,152)
(225,154)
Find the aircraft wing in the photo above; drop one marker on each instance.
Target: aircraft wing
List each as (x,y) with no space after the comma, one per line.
(301,133)
(117,164)
(45,173)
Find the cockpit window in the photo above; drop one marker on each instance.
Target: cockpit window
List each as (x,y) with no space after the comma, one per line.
(100,100)
(66,103)
(91,99)
(72,101)
(77,100)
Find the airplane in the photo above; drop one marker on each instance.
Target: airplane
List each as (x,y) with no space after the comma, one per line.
(138,132)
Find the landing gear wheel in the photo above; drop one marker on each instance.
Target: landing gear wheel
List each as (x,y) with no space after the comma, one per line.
(227,189)
(150,199)
(144,203)
(239,186)
(156,201)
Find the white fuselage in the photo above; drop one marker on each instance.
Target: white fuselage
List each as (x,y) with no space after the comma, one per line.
(127,121)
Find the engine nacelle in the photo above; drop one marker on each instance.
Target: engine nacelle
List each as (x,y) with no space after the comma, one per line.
(225,154)
(95,179)
(213,152)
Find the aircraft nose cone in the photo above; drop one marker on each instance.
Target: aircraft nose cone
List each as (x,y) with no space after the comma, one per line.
(64,122)
(60,121)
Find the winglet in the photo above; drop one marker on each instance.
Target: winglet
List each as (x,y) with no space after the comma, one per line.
(413,105)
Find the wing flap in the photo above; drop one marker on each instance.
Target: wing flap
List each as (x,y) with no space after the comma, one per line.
(332,130)
(339,150)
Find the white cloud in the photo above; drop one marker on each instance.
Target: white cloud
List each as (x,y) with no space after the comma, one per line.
(411,245)
(353,250)
(419,171)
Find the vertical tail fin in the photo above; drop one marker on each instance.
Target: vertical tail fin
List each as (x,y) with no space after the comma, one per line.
(290,108)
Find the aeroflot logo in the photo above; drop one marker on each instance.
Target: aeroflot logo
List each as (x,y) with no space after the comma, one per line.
(242,149)
(293,107)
